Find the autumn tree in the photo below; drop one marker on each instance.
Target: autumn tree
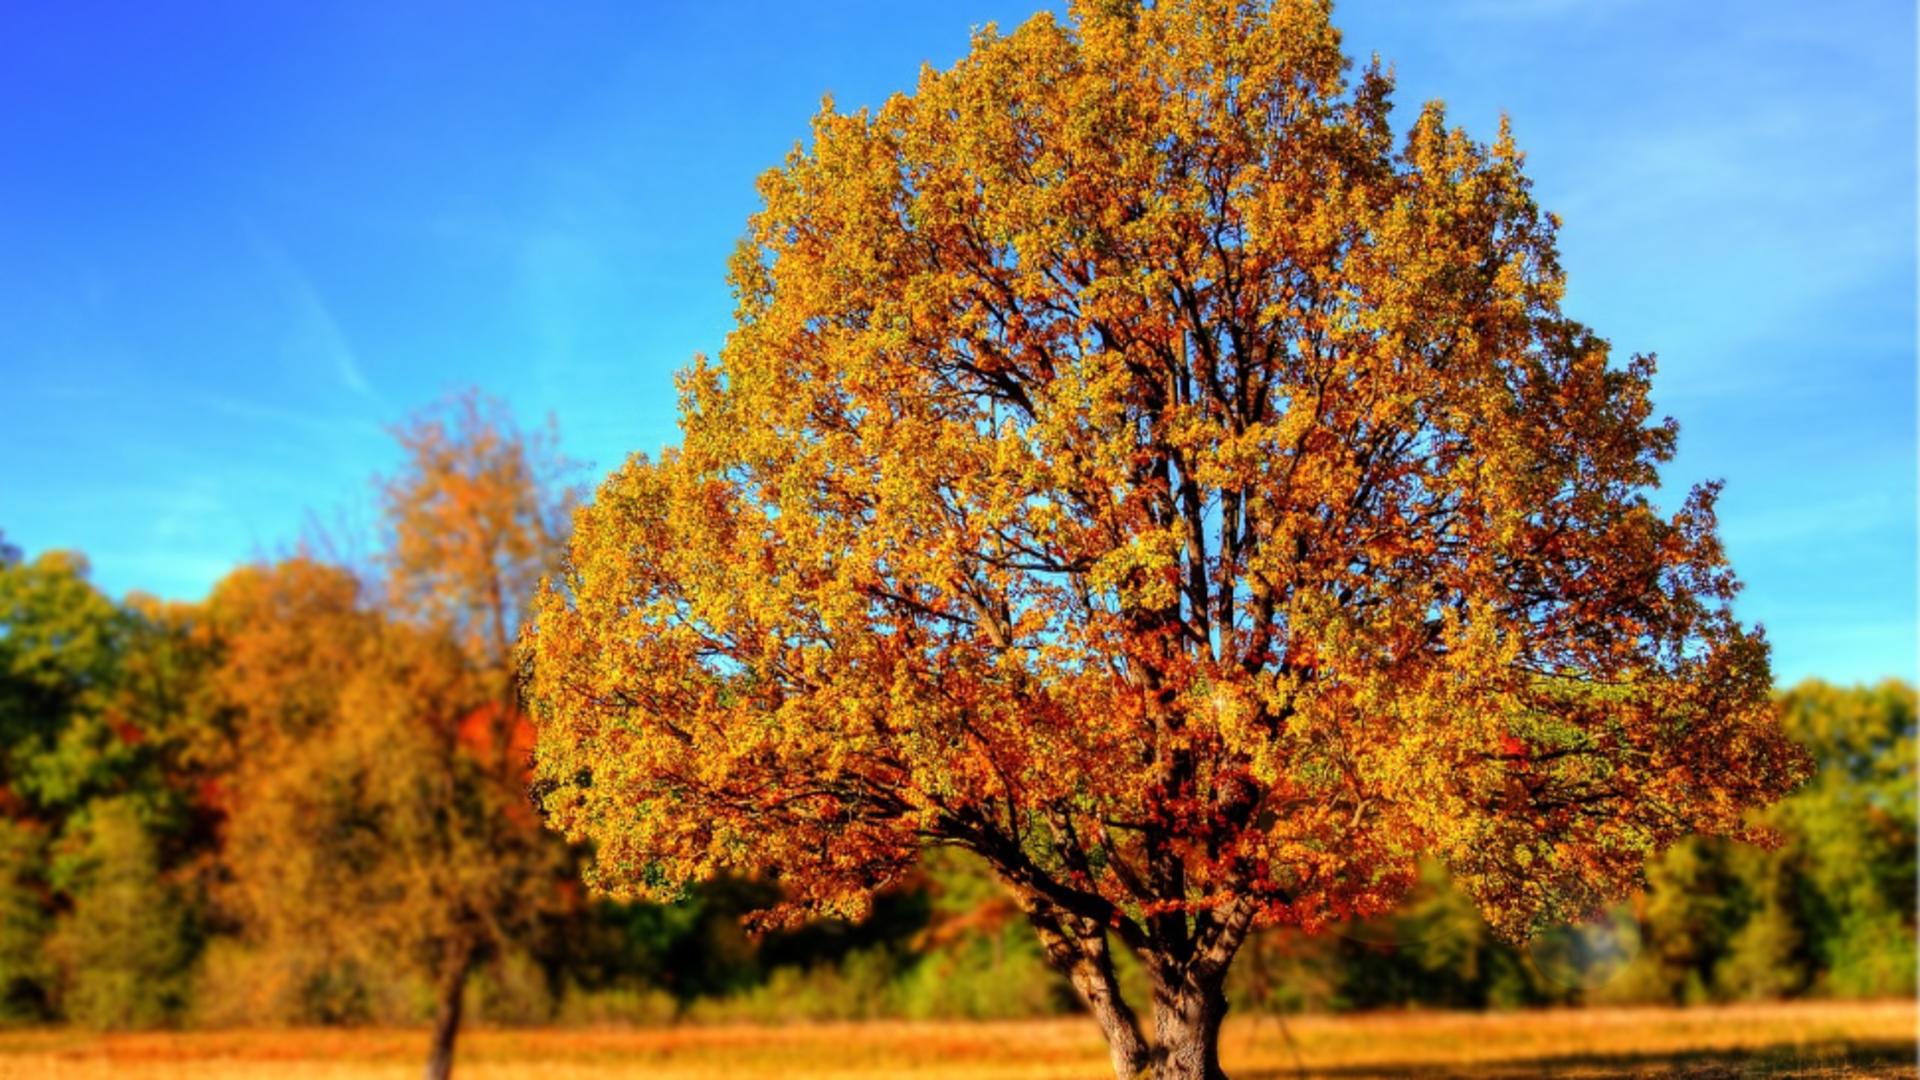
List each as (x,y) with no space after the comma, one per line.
(125,947)
(380,784)
(106,845)
(1134,464)
(301,851)
(1838,896)
(363,840)
(475,519)
(61,640)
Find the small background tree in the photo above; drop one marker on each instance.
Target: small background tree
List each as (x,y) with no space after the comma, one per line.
(475,519)
(381,802)
(106,843)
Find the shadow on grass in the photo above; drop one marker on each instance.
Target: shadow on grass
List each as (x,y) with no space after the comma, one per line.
(1891,1058)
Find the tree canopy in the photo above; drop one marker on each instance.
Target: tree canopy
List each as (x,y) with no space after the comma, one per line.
(382,752)
(1133,463)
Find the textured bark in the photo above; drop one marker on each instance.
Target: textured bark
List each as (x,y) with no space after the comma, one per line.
(1189,979)
(1186,1025)
(1078,949)
(1096,985)
(446,1017)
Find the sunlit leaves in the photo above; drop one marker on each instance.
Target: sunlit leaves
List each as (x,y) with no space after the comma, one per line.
(1133,463)
(379,757)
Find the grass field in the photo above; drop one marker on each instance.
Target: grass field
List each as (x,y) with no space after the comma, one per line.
(1874,1039)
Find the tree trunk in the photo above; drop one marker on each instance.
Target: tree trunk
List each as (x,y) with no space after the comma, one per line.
(1078,949)
(1189,979)
(446,1017)
(1186,1028)
(1126,1048)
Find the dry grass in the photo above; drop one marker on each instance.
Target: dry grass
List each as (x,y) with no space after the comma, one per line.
(1817,1039)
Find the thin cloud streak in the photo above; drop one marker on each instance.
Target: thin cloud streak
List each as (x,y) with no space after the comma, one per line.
(321,328)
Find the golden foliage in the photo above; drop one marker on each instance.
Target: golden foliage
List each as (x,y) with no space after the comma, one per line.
(474,519)
(1134,464)
(378,792)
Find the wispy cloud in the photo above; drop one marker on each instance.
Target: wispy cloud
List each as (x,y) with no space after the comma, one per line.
(318,328)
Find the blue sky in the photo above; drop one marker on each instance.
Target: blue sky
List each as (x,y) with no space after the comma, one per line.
(237,239)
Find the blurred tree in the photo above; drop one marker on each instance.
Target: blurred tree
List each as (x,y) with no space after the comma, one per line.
(290,635)
(1852,832)
(164,709)
(1131,467)
(1438,949)
(301,844)
(26,983)
(384,809)
(1684,916)
(100,705)
(61,641)
(1830,908)
(1827,909)
(975,958)
(370,826)
(126,947)
(1765,956)
(476,517)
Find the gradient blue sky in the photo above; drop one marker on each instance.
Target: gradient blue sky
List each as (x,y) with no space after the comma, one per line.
(236,239)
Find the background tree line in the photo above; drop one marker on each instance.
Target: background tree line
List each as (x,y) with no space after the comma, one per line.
(303,800)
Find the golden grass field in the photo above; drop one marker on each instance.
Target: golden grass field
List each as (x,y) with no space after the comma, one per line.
(1825,1039)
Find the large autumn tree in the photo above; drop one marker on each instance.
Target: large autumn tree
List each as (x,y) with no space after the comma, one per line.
(1136,465)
